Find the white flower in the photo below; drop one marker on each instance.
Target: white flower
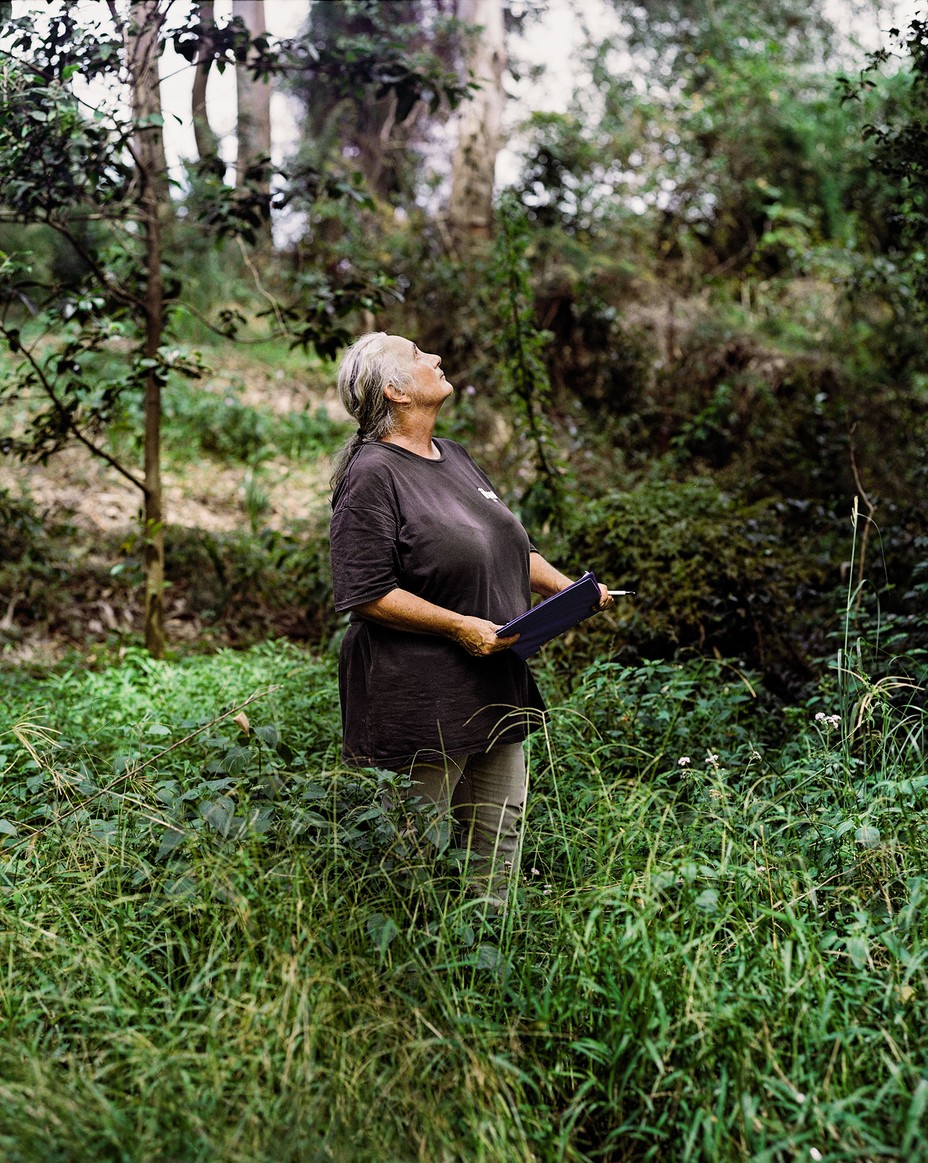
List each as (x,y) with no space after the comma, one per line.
(712,759)
(819,718)
(815,1153)
(684,761)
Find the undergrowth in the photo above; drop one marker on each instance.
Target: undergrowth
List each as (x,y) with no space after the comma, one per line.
(219,944)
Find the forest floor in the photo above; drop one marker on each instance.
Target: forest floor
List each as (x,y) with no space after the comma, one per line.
(76,486)
(90,513)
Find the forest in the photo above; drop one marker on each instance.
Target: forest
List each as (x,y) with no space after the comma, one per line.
(677,269)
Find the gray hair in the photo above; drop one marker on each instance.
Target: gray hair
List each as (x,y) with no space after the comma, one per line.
(365,370)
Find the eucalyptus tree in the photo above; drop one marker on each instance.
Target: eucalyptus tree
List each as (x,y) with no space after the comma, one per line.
(253,95)
(480,122)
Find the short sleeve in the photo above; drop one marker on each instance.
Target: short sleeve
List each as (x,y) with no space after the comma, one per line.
(362,542)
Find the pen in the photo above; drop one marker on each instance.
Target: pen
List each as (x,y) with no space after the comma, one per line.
(621,593)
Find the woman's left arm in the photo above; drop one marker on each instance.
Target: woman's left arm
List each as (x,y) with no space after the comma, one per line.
(545,580)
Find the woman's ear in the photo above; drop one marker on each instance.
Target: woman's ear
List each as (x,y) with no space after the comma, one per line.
(395,394)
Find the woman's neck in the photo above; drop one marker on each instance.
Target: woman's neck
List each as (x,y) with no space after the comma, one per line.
(415,438)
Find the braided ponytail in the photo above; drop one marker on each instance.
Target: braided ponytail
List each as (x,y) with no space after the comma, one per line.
(365,370)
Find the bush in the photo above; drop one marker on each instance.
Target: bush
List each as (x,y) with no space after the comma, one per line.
(712,574)
(20,526)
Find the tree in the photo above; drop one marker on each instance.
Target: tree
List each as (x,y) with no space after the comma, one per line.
(207,142)
(470,206)
(142,40)
(253,92)
(380,125)
(96,178)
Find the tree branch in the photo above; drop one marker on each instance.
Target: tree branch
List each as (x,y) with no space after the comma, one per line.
(72,426)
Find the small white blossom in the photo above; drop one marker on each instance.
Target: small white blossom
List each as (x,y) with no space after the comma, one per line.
(712,759)
(819,718)
(684,761)
(536,872)
(815,1153)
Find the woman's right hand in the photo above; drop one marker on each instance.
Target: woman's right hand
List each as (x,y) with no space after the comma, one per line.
(478,637)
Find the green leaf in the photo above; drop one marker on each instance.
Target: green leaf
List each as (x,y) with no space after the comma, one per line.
(708,900)
(382,930)
(171,840)
(858,949)
(235,760)
(218,814)
(268,734)
(867,836)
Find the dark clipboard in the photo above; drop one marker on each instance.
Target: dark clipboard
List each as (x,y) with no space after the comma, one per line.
(552,616)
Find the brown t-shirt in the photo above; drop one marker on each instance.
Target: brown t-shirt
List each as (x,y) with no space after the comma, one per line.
(437,529)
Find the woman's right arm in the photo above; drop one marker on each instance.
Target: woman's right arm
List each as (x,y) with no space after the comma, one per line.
(402,610)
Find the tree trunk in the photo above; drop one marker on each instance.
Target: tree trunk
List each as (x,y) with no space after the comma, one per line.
(142,56)
(470,207)
(142,48)
(254,104)
(206,140)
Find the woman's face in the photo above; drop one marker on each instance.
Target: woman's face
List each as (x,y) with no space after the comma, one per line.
(429,386)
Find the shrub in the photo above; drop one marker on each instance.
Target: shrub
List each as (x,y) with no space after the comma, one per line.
(712,573)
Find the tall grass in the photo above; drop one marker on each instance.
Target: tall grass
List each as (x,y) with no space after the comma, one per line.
(217,943)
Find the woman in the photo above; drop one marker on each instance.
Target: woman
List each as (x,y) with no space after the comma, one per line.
(430,563)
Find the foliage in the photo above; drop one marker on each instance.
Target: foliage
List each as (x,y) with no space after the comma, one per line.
(899,147)
(64,166)
(378,69)
(19,526)
(522,374)
(709,942)
(713,573)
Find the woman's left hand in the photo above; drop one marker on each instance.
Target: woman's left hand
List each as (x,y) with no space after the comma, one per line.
(606,600)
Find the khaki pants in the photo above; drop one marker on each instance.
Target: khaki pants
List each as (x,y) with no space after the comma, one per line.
(485,795)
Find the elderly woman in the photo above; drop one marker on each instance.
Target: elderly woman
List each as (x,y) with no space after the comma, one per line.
(430,563)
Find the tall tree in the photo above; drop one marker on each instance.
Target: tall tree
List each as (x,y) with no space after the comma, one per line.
(253,92)
(207,142)
(480,119)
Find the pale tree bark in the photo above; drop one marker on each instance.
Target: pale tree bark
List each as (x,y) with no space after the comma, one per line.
(142,39)
(142,49)
(470,206)
(254,100)
(206,139)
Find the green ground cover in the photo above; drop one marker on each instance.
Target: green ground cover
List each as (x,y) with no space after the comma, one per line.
(217,944)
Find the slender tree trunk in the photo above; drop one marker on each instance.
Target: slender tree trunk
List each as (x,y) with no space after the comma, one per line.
(206,140)
(142,53)
(470,207)
(254,104)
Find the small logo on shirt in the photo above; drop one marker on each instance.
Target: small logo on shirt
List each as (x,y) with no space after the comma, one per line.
(489,494)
